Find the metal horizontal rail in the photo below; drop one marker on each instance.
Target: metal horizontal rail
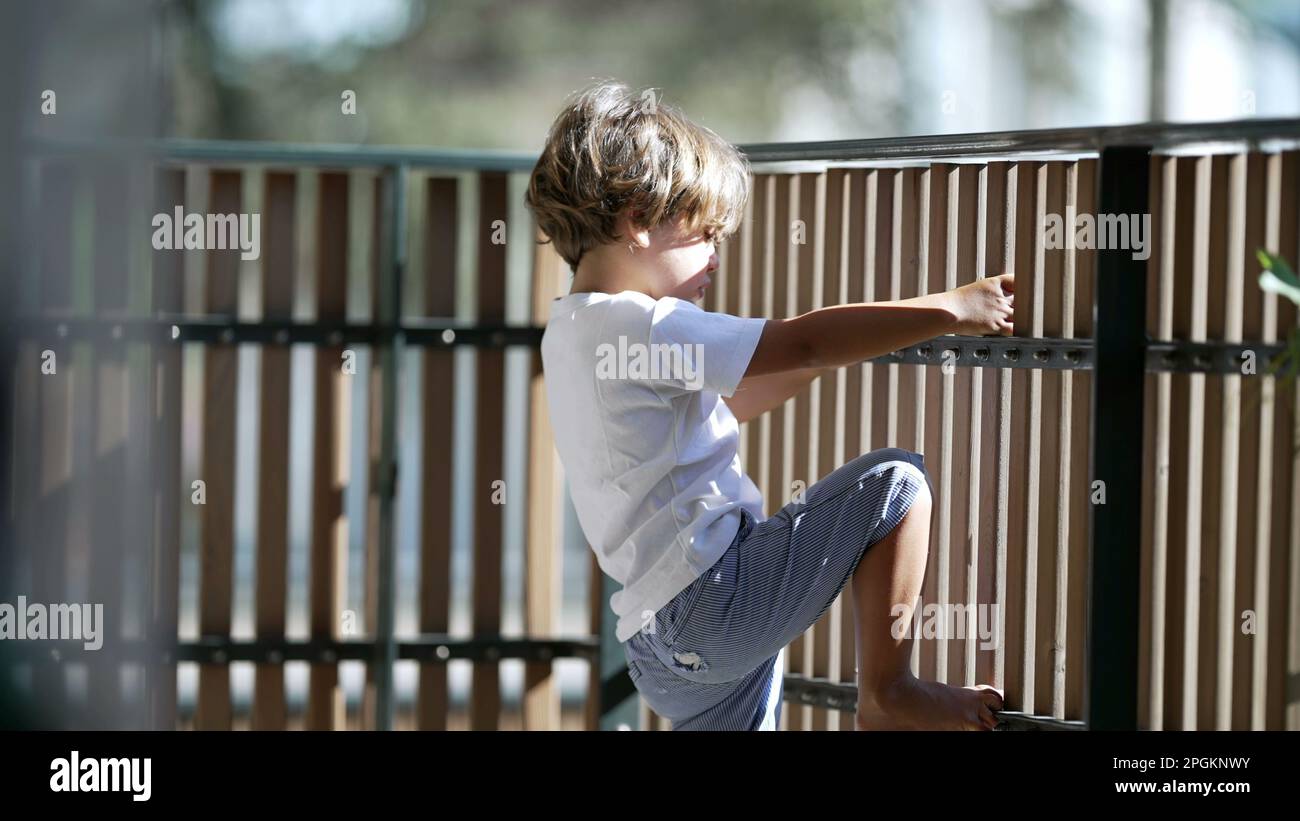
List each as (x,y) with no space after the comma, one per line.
(996,352)
(1210,357)
(431,647)
(229,331)
(227,152)
(1051,140)
(962,351)
(1054,140)
(833,695)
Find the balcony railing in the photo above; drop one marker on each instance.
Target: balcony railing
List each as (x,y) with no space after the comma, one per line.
(1111,486)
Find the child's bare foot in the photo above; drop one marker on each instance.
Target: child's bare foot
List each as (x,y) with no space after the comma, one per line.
(911,704)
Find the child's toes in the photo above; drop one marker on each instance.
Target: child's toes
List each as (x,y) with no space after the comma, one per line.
(991,696)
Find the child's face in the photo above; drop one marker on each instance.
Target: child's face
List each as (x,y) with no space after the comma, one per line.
(679,263)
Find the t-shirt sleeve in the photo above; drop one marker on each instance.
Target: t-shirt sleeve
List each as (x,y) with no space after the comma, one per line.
(701,350)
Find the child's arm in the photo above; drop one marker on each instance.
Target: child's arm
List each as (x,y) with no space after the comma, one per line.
(846,334)
(757,395)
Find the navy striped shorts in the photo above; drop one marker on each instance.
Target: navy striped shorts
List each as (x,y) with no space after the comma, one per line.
(712,658)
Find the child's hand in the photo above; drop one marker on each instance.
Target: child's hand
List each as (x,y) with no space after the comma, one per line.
(984,307)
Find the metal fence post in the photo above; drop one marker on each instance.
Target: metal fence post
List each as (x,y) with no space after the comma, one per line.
(1111,696)
(390,342)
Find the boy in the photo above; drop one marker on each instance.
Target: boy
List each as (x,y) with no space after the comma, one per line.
(646,391)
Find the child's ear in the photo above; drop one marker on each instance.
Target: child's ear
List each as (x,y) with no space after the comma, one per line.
(631,229)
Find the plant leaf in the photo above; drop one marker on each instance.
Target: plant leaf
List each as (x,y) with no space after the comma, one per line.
(1270,281)
(1278,267)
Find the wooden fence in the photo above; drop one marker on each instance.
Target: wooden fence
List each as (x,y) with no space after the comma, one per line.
(381,538)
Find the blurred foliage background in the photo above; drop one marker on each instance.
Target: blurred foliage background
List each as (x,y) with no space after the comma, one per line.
(493,73)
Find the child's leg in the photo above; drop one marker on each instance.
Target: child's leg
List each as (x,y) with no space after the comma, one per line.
(889,696)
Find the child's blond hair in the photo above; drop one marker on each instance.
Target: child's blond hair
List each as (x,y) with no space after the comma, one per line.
(612,151)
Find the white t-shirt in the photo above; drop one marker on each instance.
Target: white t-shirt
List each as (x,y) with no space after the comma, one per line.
(634,387)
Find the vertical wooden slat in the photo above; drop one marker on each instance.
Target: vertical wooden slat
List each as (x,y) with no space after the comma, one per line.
(543,544)
(906,408)
(1284,592)
(489,459)
(1021,418)
(1231,312)
(1247,698)
(808,270)
(935,404)
(1212,477)
(780,421)
(326,495)
(759,239)
(279,264)
(436,434)
(1204,434)
(372,199)
(989,508)
(1157,499)
(1276,656)
(1077,400)
(1183,193)
(845,248)
(1053,452)
(216,546)
(964,444)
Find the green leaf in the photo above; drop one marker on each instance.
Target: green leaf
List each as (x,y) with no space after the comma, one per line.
(1278,267)
(1270,281)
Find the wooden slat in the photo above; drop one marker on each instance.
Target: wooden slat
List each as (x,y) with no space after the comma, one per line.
(1225,323)
(810,432)
(1218,442)
(1053,454)
(543,544)
(906,391)
(959,400)
(279,263)
(989,507)
(375,194)
(841,264)
(326,497)
(1276,657)
(1180,252)
(1020,417)
(1247,177)
(1157,492)
(934,406)
(437,431)
(779,422)
(217,515)
(1077,399)
(489,459)
(1284,589)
